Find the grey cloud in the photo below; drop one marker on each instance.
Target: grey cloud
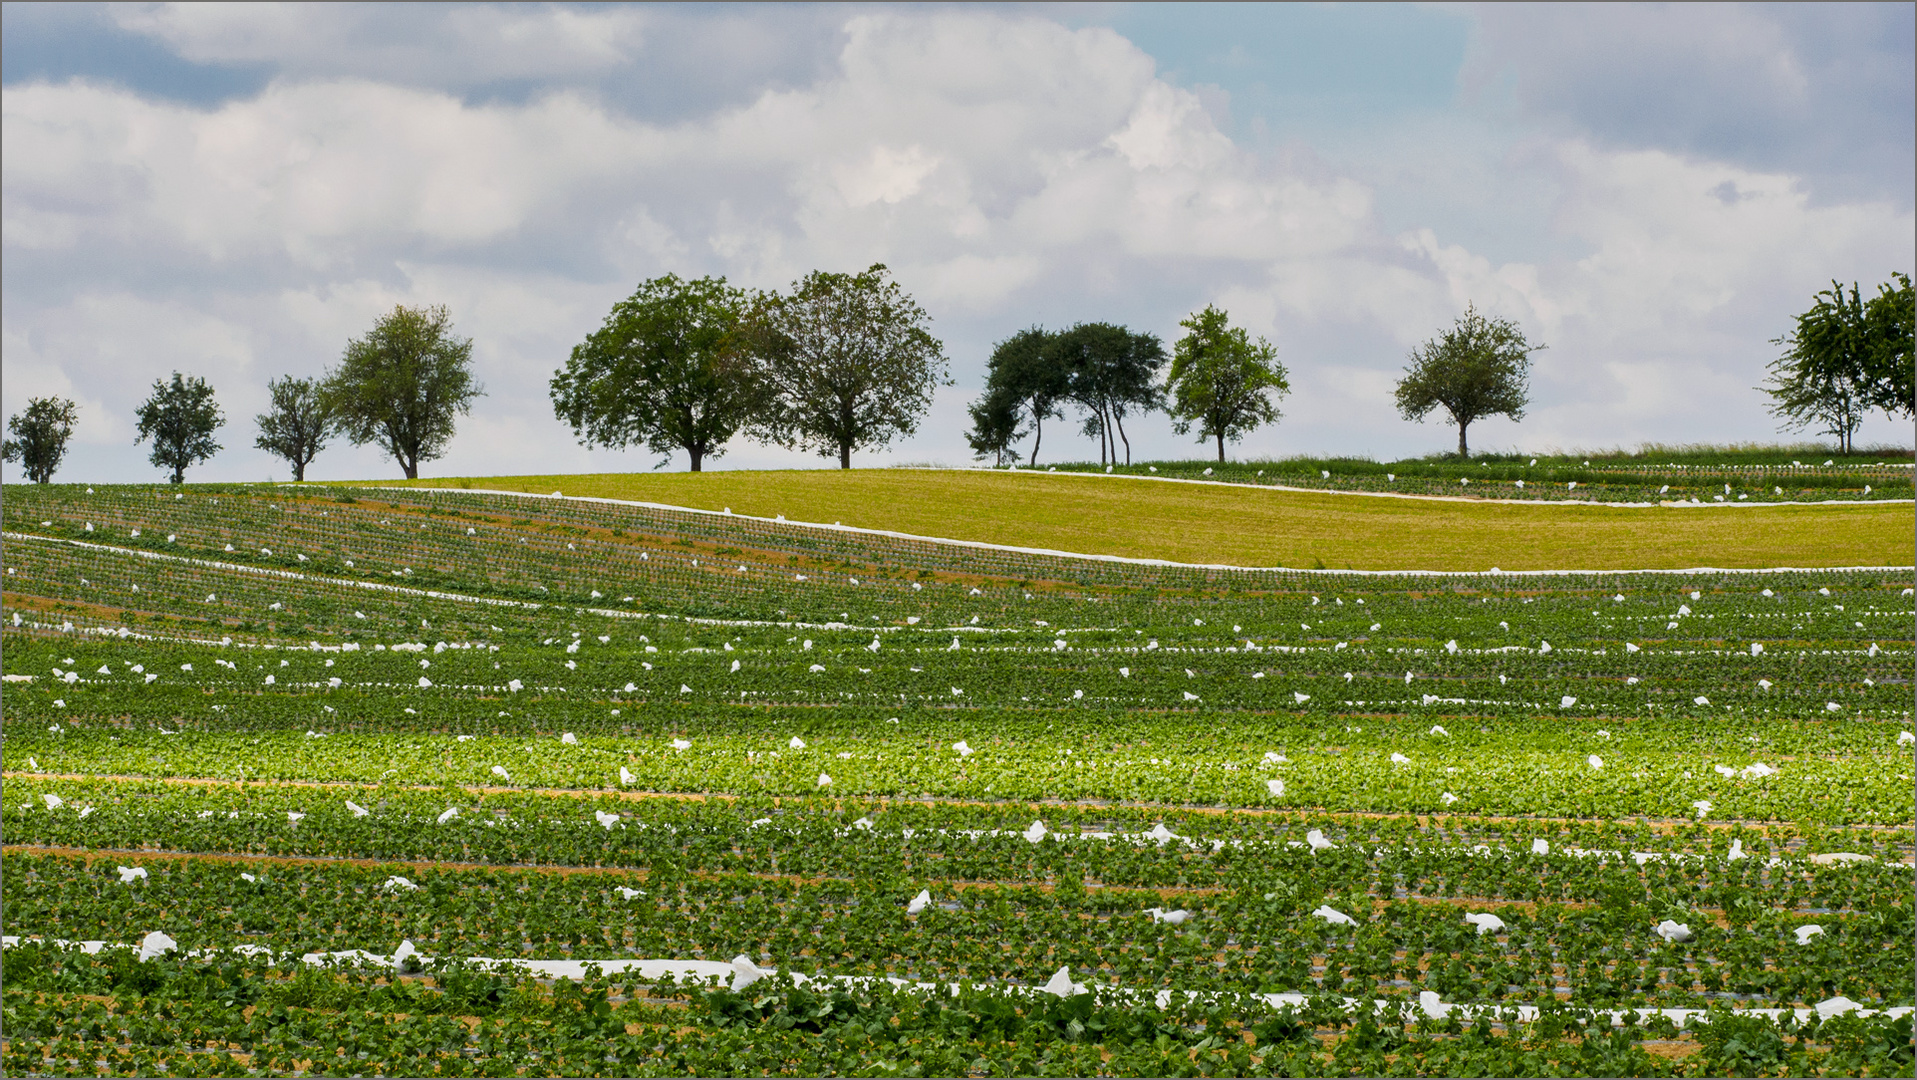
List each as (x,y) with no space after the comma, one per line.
(1820,90)
(662,63)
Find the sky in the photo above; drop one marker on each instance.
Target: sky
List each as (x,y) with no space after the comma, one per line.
(235,191)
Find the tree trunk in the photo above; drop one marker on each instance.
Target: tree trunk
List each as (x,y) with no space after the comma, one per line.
(697,453)
(845,455)
(299,472)
(411,468)
(1463,451)
(1121,434)
(179,474)
(1038,436)
(1221,448)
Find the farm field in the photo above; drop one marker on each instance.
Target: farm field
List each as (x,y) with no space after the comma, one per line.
(416,781)
(1230,525)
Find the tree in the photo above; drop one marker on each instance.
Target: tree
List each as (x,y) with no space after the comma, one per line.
(1110,370)
(40,437)
(846,362)
(1221,380)
(298,424)
(180,417)
(1824,379)
(997,423)
(401,385)
(1891,318)
(1480,367)
(1024,376)
(664,371)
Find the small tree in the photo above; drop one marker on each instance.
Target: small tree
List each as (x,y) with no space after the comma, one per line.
(1028,376)
(402,384)
(1823,380)
(40,437)
(1480,367)
(180,417)
(664,372)
(1221,381)
(298,424)
(846,361)
(996,425)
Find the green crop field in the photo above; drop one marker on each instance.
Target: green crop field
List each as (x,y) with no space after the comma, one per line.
(1242,525)
(422,780)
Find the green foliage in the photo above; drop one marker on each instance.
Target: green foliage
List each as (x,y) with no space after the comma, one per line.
(1822,377)
(196,1022)
(1110,371)
(298,424)
(402,385)
(1844,358)
(180,417)
(847,361)
(665,372)
(996,426)
(39,437)
(1478,368)
(1023,381)
(1891,368)
(1221,381)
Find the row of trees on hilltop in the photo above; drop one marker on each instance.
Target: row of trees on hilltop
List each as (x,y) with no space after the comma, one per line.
(845,362)
(841,362)
(1219,381)
(400,387)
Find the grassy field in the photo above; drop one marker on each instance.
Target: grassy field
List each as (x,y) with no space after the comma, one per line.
(1250,527)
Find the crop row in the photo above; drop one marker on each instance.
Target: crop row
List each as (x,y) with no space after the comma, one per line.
(1249,941)
(115,1015)
(1491,777)
(1781,659)
(1522,861)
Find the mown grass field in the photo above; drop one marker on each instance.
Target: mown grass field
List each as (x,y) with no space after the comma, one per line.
(1243,526)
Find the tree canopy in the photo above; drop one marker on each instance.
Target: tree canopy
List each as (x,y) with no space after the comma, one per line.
(846,362)
(1109,371)
(1845,357)
(297,425)
(1890,366)
(1480,367)
(997,424)
(1221,381)
(40,436)
(1106,370)
(665,371)
(402,384)
(1023,381)
(180,417)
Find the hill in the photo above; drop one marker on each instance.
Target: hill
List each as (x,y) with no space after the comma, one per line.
(1240,525)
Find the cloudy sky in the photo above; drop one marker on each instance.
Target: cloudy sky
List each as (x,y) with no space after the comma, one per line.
(234,191)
